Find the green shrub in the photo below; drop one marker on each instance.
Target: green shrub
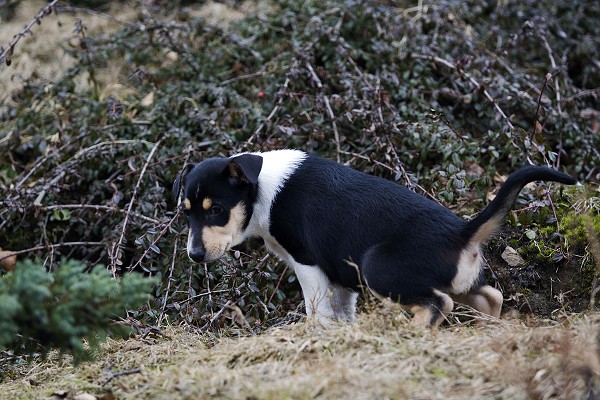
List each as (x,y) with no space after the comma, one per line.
(68,309)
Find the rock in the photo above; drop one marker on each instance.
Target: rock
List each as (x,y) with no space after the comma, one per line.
(511,257)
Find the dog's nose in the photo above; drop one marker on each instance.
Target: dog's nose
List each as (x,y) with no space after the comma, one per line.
(197,255)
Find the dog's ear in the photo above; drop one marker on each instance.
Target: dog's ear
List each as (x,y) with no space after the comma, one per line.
(245,168)
(180,181)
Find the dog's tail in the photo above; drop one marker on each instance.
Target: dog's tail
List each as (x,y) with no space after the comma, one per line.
(490,219)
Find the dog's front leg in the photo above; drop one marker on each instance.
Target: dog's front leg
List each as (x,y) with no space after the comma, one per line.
(317,294)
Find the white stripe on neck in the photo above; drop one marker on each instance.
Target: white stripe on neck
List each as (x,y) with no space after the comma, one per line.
(278,166)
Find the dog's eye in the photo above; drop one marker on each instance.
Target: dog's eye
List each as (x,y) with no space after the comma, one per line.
(215,210)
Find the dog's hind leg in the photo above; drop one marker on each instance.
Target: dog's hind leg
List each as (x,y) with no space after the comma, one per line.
(344,303)
(484,299)
(389,274)
(318,296)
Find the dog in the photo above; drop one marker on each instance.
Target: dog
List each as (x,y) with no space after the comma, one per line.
(340,230)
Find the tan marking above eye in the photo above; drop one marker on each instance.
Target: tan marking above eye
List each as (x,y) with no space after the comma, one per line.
(187,204)
(207,203)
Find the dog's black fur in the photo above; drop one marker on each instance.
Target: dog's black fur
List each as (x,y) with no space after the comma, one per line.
(330,217)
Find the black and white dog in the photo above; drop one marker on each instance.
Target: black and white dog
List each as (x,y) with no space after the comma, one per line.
(325,219)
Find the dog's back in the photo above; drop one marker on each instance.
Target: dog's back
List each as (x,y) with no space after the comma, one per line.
(327,214)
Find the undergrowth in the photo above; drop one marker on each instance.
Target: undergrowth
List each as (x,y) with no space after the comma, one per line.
(442,98)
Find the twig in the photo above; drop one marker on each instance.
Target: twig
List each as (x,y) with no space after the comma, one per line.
(51,247)
(336,135)
(9,51)
(154,164)
(106,143)
(114,375)
(472,80)
(175,248)
(511,71)
(241,77)
(398,162)
(353,154)
(491,99)
(379,101)
(45,158)
(275,109)
(156,239)
(547,79)
(116,253)
(553,209)
(208,289)
(343,51)
(278,283)
(554,68)
(197,296)
(99,208)
(164,305)
(189,298)
(536,122)
(583,93)
(76,10)
(221,311)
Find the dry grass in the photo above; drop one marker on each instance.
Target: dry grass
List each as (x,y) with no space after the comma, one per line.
(41,56)
(379,357)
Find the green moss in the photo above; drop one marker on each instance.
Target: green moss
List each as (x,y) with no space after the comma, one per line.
(573,228)
(539,251)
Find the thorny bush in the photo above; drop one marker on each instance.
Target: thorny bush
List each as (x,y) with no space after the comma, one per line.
(440,98)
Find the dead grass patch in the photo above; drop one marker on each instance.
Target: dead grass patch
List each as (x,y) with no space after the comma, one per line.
(379,357)
(42,56)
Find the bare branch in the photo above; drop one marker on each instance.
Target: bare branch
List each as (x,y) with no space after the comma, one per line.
(82,10)
(169,279)
(336,135)
(472,80)
(275,109)
(161,234)
(98,207)
(51,247)
(116,252)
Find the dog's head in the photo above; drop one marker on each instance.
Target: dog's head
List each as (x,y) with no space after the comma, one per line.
(217,196)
